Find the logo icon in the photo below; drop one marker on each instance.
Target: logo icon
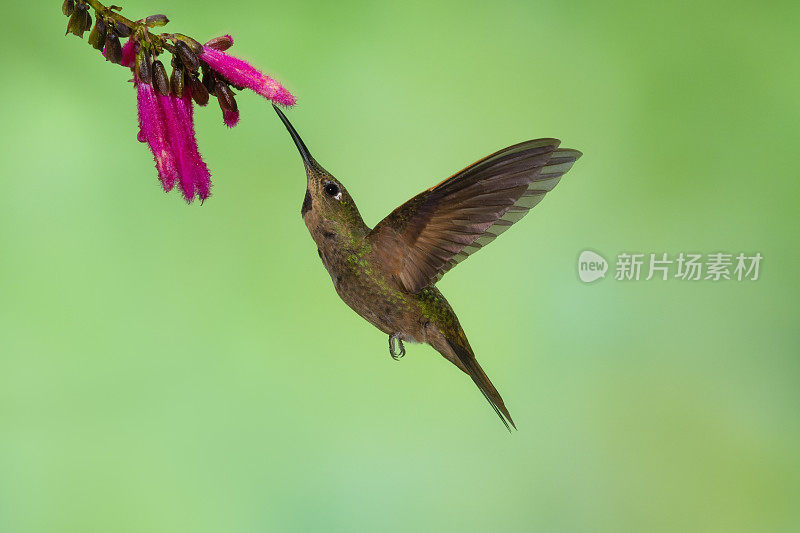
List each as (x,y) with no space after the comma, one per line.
(591,266)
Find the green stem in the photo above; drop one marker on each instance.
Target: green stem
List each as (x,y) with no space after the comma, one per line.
(138,28)
(100,8)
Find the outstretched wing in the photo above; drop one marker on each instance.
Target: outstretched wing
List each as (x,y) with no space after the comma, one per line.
(434,231)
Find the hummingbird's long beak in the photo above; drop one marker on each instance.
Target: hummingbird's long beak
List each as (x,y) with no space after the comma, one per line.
(308,161)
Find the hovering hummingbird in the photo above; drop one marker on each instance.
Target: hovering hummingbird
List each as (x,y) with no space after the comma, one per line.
(387,274)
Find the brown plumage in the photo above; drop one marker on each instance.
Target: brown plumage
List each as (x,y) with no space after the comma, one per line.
(387,274)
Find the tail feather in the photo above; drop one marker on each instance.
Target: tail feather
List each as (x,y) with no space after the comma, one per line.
(471,366)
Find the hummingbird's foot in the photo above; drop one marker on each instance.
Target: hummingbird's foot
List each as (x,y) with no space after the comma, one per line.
(396,356)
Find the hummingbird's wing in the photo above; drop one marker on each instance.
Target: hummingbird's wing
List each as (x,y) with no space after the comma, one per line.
(437,229)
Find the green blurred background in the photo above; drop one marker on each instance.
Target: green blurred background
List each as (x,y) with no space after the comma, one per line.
(172,368)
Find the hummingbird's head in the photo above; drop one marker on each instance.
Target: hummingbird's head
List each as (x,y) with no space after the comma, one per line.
(327,206)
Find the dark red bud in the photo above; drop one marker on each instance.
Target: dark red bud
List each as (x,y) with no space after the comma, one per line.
(113,48)
(220,43)
(198,90)
(160,79)
(154,21)
(176,81)
(196,47)
(188,57)
(225,96)
(78,21)
(68,7)
(71,24)
(143,68)
(209,79)
(102,27)
(97,37)
(121,29)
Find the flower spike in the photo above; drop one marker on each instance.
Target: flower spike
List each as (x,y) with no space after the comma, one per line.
(165,104)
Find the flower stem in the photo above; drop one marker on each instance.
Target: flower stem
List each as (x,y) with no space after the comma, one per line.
(100,8)
(138,28)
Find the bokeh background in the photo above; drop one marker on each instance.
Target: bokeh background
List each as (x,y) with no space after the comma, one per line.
(166,367)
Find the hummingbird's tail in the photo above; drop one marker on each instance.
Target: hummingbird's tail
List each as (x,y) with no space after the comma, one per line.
(470,365)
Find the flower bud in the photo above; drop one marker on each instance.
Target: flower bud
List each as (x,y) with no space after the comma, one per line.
(209,80)
(113,48)
(87,20)
(220,43)
(154,21)
(177,81)
(121,29)
(198,90)
(77,24)
(160,79)
(143,69)
(97,37)
(196,47)
(188,57)
(68,7)
(225,96)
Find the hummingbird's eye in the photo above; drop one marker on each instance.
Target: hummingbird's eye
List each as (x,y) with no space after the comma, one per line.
(331,189)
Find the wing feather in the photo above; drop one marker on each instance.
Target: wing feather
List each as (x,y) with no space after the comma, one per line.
(437,229)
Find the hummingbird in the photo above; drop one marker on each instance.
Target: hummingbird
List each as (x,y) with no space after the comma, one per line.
(388,274)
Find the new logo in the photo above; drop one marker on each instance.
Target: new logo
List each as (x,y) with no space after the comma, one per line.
(591,266)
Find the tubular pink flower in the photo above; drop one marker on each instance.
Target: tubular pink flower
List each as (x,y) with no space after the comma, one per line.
(152,129)
(242,73)
(166,123)
(181,142)
(201,174)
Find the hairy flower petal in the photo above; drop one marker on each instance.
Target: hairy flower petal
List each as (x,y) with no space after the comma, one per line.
(231,118)
(201,174)
(240,72)
(181,141)
(152,128)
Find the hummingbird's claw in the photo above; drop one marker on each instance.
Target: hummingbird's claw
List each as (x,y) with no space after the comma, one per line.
(396,356)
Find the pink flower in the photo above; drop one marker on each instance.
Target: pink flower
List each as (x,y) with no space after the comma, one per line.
(153,131)
(242,73)
(180,141)
(195,169)
(166,124)
(166,119)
